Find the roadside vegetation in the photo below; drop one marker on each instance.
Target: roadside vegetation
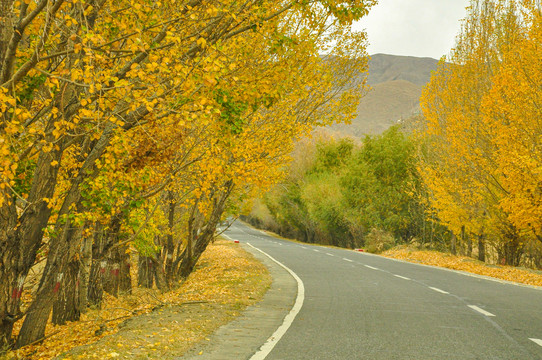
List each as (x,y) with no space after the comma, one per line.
(133,127)
(157,325)
(464,176)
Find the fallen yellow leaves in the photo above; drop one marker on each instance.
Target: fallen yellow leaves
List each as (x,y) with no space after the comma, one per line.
(226,280)
(463,263)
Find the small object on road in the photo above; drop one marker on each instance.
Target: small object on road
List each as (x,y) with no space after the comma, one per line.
(236,241)
(360,250)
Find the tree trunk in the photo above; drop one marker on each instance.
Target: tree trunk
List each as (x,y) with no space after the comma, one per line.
(169,248)
(104,276)
(11,281)
(513,251)
(66,306)
(84,273)
(21,238)
(6,30)
(453,244)
(117,277)
(160,275)
(145,272)
(481,248)
(95,286)
(200,237)
(33,328)
(463,240)
(125,277)
(62,251)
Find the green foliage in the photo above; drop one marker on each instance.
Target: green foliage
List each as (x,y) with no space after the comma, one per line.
(378,241)
(30,84)
(231,111)
(332,156)
(353,196)
(382,183)
(23,179)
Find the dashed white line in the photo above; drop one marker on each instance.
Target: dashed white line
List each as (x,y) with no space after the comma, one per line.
(439,290)
(401,277)
(481,311)
(371,267)
(315,250)
(536,341)
(330,254)
(302,247)
(345,259)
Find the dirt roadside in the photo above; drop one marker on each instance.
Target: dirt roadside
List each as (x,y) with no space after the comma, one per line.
(203,330)
(226,281)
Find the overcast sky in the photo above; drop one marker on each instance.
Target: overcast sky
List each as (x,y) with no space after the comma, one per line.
(423,28)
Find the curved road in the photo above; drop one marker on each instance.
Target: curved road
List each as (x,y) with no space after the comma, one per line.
(360,306)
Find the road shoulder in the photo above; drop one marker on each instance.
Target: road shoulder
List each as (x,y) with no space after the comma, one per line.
(242,337)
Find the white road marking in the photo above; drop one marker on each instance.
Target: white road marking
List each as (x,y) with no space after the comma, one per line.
(438,290)
(371,267)
(315,250)
(345,259)
(401,277)
(302,247)
(266,348)
(481,311)
(536,341)
(330,254)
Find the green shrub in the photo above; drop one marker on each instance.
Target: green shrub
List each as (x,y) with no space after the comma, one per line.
(378,241)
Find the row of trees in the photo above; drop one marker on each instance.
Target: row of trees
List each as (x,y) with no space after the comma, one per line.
(349,195)
(135,125)
(482,158)
(469,178)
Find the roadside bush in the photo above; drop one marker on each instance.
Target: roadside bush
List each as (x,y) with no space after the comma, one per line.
(378,241)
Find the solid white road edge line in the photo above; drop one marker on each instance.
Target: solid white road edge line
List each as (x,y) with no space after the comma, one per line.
(481,311)
(537,341)
(440,291)
(401,277)
(266,348)
(371,267)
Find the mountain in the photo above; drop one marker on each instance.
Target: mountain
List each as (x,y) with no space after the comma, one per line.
(383,68)
(396,85)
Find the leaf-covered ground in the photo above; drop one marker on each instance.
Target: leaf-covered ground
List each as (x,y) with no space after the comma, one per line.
(226,280)
(435,258)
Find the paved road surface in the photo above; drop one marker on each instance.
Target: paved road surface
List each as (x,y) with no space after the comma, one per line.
(359,306)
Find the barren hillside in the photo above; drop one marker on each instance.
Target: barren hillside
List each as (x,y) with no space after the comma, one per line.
(397,83)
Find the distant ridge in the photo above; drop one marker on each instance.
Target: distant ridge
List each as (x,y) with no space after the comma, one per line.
(397,83)
(384,68)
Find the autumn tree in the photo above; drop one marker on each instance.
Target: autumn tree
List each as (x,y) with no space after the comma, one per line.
(460,158)
(104,105)
(511,112)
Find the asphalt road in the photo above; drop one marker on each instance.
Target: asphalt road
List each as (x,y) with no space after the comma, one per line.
(360,306)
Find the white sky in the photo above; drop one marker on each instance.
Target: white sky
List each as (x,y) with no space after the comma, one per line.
(423,28)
